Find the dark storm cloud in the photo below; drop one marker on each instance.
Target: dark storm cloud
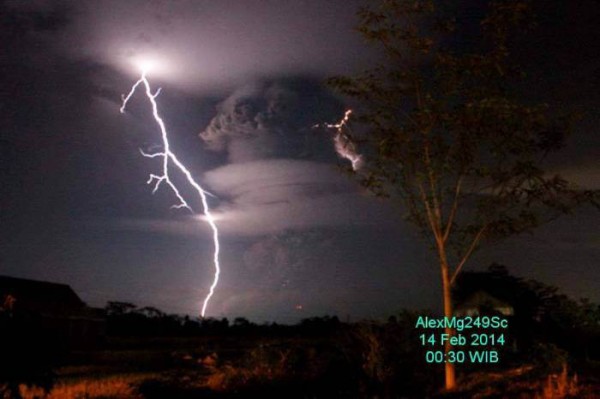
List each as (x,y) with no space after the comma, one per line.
(281,173)
(68,156)
(327,271)
(277,260)
(272,120)
(204,45)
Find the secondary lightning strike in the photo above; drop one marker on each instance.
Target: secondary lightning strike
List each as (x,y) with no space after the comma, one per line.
(167,155)
(343,145)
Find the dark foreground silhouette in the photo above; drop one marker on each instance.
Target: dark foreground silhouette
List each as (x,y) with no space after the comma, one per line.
(552,350)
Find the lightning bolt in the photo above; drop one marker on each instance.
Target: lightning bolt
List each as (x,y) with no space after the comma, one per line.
(343,144)
(168,157)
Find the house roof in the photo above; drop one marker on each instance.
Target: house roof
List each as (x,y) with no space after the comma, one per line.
(482,299)
(40,296)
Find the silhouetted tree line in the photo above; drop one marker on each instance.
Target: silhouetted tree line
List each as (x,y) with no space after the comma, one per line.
(544,320)
(126,319)
(374,358)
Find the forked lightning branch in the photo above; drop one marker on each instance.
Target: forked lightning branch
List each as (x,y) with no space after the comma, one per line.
(168,159)
(343,145)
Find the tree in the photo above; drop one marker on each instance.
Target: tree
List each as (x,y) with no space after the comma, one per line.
(116,308)
(447,136)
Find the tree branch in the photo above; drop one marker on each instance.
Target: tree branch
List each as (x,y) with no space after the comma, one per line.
(430,216)
(453,210)
(437,212)
(469,252)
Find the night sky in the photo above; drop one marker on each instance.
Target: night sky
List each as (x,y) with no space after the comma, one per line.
(242,88)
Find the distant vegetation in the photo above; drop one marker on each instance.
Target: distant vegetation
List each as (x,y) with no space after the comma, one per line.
(543,317)
(126,319)
(150,354)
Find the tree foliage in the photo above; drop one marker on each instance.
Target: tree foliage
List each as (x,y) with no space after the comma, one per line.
(450,135)
(448,132)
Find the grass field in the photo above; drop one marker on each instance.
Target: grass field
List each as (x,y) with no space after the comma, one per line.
(281,368)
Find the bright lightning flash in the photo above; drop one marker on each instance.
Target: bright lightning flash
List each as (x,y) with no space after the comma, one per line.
(168,157)
(343,145)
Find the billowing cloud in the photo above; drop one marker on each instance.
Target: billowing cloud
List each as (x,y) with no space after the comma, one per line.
(273,195)
(281,173)
(272,120)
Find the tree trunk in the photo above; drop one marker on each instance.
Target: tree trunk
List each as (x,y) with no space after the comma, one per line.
(449,367)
